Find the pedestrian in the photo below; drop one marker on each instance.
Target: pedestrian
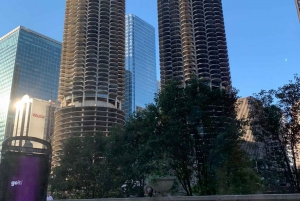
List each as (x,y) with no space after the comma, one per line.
(148,191)
(49,197)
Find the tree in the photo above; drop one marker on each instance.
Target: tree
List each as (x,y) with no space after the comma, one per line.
(218,142)
(275,121)
(84,171)
(265,122)
(195,131)
(236,175)
(189,132)
(123,151)
(289,101)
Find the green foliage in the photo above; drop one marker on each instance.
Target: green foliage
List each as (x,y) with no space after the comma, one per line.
(236,176)
(84,171)
(123,153)
(194,131)
(189,132)
(275,121)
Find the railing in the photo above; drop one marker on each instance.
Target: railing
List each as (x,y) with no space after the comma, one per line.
(256,197)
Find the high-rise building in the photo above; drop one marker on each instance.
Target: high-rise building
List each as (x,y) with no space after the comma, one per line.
(140,64)
(92,73)
(250,145)
(158,86)
(29,64)
(34,118)
(297,2)
(192,41)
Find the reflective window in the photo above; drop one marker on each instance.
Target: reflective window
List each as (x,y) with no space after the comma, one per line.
(140,64)
(29,64)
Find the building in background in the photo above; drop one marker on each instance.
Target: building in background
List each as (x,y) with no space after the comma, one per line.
(297,2)
(158,86)
(253,148)
(34,118)
(29,64)
(140,64)
(266,151)
(192,42)
(258,150)
(92,73)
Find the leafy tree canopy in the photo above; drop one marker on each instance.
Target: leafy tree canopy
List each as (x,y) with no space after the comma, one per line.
(274,121)
(84,171)
(190,133)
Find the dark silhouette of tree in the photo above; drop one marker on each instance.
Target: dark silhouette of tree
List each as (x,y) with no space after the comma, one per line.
(274,120)
(194,130)
(190,133)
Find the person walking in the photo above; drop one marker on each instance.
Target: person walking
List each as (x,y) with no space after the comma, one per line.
(49,197)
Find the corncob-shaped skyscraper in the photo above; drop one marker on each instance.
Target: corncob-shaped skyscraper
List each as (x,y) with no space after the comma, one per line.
(192,41)
(91,85)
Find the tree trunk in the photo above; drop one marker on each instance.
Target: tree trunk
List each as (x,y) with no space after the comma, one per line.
(295,168)
(290,173)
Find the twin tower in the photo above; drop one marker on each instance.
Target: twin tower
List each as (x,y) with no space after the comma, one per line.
(192,41)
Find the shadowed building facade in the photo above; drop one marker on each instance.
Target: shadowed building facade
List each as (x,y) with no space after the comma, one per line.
(91,84)
(250,145)
(192,41)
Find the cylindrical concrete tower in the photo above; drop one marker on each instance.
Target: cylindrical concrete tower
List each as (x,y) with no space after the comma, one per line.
(91,86)
(192,41)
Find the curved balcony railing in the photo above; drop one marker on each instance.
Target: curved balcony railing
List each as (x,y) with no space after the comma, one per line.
(92,63)
(192,34)
(93,42)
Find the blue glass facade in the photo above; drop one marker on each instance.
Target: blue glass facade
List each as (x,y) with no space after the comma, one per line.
(29,64)
(140,64)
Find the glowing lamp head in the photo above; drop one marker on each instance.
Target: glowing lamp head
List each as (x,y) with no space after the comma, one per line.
(25,99)
(18,105)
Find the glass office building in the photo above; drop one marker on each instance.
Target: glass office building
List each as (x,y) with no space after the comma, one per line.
(29,64)
(140,76)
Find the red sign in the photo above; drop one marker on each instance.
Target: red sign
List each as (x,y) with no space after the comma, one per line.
(38,115)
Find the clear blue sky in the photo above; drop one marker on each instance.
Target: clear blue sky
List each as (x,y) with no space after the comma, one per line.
(263,36)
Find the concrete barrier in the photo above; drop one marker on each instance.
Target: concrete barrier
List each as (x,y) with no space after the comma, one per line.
(257,197)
